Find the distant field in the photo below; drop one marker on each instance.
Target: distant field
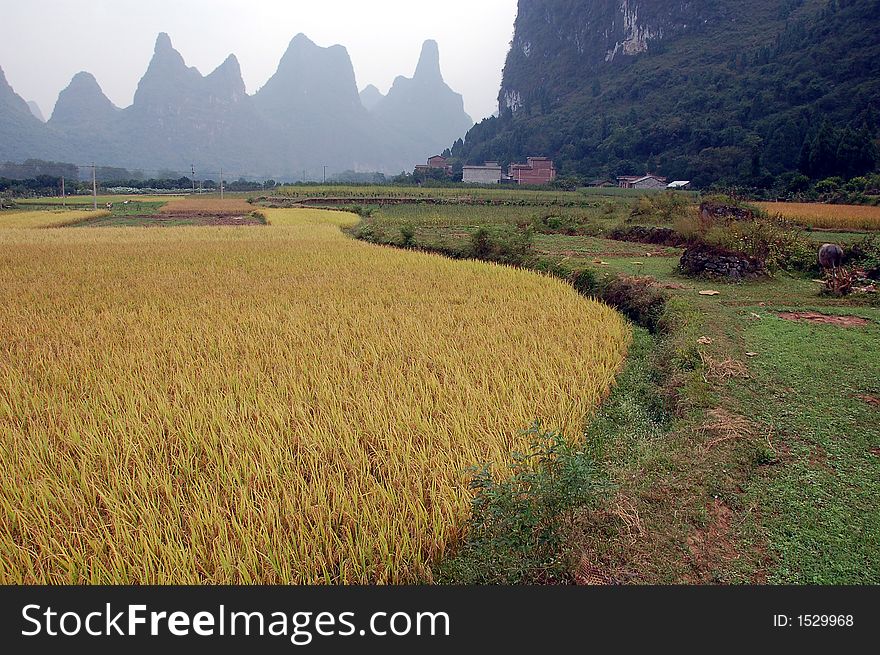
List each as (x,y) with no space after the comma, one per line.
(274,404)
(470,215)
(817,215)
(194,204)
(510,196)
(45,219)
(87,200)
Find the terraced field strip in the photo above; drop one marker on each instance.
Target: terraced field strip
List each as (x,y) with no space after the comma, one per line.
(46,219)
(195,205)
(818,215)
(267,404)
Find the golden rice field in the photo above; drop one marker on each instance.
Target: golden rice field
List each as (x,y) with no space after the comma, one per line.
(274,404)
(817,215)
(196,204)
(43,219)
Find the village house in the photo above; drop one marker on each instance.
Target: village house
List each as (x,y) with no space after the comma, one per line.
(679,184)
(648,181)
(537,170)
(437,162)
(488,173)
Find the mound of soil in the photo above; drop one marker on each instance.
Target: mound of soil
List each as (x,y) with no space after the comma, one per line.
(815,317)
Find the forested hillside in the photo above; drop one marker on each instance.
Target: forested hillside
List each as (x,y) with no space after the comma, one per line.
(753,92)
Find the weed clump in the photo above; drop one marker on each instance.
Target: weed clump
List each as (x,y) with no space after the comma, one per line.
(508,246)
(519,523)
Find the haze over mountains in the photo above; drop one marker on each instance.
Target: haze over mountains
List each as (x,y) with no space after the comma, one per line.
(308,115)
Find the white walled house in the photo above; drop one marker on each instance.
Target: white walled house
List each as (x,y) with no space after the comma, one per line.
(488,173)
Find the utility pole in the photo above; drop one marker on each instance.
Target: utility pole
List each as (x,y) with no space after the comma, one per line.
(221,184)
(325,175)
(200,187)
(94,188)
(63,202)
(194,178)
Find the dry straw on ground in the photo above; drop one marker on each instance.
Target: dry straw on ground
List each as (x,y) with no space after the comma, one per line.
(272,404)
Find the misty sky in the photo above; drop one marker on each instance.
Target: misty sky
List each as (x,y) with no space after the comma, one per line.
(45,43)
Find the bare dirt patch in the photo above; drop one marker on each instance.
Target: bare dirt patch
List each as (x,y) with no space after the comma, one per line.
(825,319)
(871,400)
(714,544)
(819,459)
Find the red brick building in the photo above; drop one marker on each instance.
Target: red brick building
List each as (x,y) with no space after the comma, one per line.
(437,162)
(538,170)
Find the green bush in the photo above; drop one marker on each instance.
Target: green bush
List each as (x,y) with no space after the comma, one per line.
(585,282)
(865,253)
(520,523)
(637,298)
(407,235)
(578,224)
(509,246)
(661,207)
(777,244)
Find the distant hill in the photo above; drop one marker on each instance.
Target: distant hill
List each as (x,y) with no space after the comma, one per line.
(22,135)
(705,90)
(370,97)
(36,111)
(423,108)
(307,116)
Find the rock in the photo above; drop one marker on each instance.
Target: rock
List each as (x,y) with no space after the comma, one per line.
(717,262)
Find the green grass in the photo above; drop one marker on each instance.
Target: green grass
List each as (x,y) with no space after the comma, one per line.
(820,236)
(723,509)
(820,503)
(510,196)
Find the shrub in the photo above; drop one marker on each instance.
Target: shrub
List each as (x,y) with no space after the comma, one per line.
(771,241)
(865,253)
(407,235)
(519,523)
(481,244)
(637,298)
(573,225)
(507,246)
(655,235)
(585,282)
(661,207)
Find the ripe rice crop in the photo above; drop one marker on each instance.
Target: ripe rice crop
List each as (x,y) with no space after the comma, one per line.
(41,219)
(191,205)
(273,404)
(86,201)
(817,215)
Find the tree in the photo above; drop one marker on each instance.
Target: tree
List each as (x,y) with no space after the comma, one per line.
(849,154)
